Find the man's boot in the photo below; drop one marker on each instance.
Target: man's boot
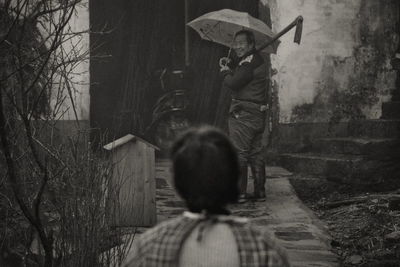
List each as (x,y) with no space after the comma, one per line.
(258,171)
(242,183)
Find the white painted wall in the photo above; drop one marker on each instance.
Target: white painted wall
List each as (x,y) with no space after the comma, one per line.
(80,75)
(80,72)
(82,98)
(331,33)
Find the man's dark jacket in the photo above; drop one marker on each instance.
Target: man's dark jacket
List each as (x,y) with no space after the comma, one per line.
(248,81)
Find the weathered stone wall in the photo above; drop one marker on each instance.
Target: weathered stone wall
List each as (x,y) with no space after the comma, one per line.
(342,68)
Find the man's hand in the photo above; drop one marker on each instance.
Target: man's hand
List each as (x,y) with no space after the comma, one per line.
(224,68)
(223,63)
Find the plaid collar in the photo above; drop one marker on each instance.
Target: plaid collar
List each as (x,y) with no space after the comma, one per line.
(161,246)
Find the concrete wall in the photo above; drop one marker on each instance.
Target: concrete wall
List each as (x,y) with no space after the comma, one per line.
(72,103)
(76,121)
(342,67)
(80,74)
(81,77)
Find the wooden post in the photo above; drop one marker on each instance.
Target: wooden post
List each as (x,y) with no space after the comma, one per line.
(133,181)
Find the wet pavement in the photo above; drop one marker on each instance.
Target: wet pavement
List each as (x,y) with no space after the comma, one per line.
(292,223)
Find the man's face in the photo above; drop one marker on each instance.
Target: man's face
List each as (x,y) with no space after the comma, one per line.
(241,46)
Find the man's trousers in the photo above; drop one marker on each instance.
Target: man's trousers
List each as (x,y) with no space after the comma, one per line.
(246,127)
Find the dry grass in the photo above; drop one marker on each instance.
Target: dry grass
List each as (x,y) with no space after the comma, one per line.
(357,229)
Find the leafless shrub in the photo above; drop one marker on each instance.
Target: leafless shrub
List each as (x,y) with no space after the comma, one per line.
(52,188)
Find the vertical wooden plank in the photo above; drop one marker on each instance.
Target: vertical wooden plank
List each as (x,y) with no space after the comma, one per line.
(152,187)
(134,198)
(122,182)
(139,182)
(113,190)
(145,179)
(125,171)
(149,185)
(115,207)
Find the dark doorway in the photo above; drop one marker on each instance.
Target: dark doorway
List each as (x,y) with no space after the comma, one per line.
(133,39)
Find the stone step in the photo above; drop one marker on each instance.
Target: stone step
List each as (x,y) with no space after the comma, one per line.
(382,128)
(371,148)
(313,163)
(344,168)
(298,137)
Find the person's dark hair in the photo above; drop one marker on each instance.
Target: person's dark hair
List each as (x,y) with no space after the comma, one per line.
(206,169)
(249,36)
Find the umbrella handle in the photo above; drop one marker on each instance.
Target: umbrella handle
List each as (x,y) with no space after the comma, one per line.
(223,62)
(229,52)
(229,55)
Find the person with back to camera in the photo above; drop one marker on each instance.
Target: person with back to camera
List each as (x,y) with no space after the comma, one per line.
(205,174)
(247,81)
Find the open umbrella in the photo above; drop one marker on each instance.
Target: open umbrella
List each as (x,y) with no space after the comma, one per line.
(221,26)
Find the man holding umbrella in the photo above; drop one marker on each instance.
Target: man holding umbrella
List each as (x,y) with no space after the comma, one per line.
(247,80)
(246,77)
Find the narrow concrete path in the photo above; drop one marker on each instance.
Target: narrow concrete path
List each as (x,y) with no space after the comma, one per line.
(293,224)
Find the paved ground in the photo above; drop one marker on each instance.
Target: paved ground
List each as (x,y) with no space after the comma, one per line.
(283,213)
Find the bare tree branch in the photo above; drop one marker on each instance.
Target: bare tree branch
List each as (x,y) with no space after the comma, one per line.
(12,174)
(15,20)
(54,10)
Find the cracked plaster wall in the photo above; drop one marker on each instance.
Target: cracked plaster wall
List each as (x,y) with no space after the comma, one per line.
(342,67)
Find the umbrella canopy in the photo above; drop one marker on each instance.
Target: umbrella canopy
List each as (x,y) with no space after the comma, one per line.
(221,26)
